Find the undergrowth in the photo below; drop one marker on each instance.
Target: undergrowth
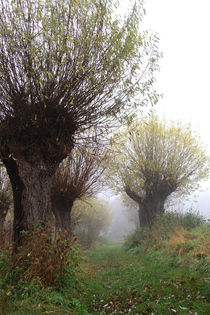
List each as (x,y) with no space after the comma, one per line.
(170,225)
(38,275)
(164,270)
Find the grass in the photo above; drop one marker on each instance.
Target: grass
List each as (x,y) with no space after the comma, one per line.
(143,283)
(163,275)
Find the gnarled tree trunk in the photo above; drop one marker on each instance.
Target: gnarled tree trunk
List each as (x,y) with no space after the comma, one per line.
(144,220)
(31,184)
(17,189)
(36,197)
(149,209)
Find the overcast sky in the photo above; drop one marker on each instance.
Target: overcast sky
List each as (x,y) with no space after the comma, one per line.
(184,31)
(183,27)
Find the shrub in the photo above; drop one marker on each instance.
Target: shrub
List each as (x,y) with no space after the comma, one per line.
(138,238)
(164,228)
(38,264)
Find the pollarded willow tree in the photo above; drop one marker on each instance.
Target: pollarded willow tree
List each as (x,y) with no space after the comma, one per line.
(75,178)
(155,159)
(66,66)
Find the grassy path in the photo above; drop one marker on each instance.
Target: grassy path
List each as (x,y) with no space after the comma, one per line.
(118,282)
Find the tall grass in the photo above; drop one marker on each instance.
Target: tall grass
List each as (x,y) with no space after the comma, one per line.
(38,275)
(177,236)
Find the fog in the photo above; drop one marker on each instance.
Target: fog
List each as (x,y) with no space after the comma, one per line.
(125,220)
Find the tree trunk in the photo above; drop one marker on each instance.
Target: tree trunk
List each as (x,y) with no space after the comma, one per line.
(149,206)
(31,184)
(3,213)
(149,209)
(62,211)
(144,220)
(17,188)
(36,195)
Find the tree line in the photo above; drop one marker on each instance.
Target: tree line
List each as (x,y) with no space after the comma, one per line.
(72,73)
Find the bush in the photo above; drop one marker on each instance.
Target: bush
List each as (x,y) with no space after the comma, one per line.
(188,220)
(164,227)
(38,265)
(138,238)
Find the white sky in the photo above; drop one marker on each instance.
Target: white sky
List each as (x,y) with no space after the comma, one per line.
(183,27)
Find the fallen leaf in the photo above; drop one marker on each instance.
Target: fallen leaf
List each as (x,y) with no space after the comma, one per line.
(183,308)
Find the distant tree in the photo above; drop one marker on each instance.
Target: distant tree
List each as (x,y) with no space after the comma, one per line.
(155,159)
(76,178)
(90,219)
(66,66)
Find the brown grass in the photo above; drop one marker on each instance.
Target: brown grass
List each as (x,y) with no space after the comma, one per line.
(39,258)
(196,246)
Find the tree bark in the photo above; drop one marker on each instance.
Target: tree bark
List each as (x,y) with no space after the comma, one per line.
(149,209)
(3,214)
(62,212)
(36,195)
(149,206)
(133,195)
(144,220)
(17,189)
(31,184)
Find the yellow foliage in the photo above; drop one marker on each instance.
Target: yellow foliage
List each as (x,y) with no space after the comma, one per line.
(157,157)
(195,246)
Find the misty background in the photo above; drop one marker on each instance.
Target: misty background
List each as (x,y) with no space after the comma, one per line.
(183,29)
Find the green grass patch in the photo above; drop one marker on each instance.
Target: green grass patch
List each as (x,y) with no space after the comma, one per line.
(156,278)
(170,276)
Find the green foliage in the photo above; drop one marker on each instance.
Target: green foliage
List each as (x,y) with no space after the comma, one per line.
(41,276)
(112,280)
(188,220)
(41,261)
(137,238)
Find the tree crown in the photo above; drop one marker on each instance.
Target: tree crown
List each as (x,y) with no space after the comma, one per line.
(67,66)
(156,157)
